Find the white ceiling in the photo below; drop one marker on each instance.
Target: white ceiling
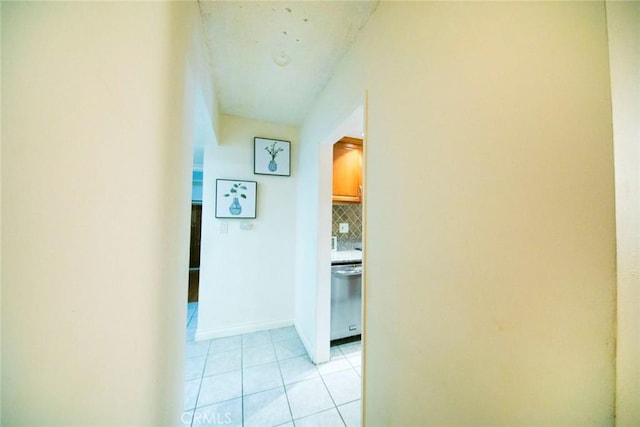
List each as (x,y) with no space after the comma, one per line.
(271,59)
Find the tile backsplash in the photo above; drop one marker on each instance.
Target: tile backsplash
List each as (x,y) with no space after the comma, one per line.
(350,213)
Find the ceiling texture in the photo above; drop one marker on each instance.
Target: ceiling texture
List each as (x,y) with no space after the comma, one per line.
(270,60)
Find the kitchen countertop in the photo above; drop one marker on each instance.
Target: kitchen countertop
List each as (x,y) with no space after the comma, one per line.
(346,256)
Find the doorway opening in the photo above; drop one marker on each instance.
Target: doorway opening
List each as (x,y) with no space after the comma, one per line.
(342,296)
(194,251)
(196,226)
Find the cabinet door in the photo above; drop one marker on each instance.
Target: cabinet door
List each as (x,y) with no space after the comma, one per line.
(347,172)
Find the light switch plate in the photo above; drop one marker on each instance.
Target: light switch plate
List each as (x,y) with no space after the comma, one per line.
(344,227)
(224,227)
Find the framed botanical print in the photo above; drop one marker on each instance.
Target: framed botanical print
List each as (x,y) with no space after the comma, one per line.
(271,157)
(235,198)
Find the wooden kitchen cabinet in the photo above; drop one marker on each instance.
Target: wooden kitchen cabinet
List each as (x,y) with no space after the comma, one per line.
(347,170)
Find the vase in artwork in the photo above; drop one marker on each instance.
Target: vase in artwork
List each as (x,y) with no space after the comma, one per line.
(235,208)
(273,166)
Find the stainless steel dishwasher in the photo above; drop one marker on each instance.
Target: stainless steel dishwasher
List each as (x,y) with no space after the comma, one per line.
(346,300)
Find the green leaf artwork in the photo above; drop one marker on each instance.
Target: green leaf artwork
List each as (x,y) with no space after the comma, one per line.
(273,151)
(237,190)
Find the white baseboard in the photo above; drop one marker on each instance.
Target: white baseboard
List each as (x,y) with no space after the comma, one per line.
(207,334)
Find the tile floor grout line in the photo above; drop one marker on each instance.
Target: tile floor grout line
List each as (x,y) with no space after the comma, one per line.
(284,386)
(189,317)
(195,405)
(242,380)
(185,360)
(332,399)
(204,367)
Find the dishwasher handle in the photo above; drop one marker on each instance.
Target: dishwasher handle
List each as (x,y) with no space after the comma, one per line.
(348,272)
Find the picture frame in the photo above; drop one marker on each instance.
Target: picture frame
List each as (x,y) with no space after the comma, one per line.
(271,157)
(236,198)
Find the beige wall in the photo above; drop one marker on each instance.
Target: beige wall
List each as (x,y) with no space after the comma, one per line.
(246,276)
(0,221)
(95,212)
(624,52)
(490,235)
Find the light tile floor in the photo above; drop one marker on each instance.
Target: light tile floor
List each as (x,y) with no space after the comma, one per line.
(266,379)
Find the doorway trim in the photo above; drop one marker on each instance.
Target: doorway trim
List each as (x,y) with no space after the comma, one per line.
(356,117)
